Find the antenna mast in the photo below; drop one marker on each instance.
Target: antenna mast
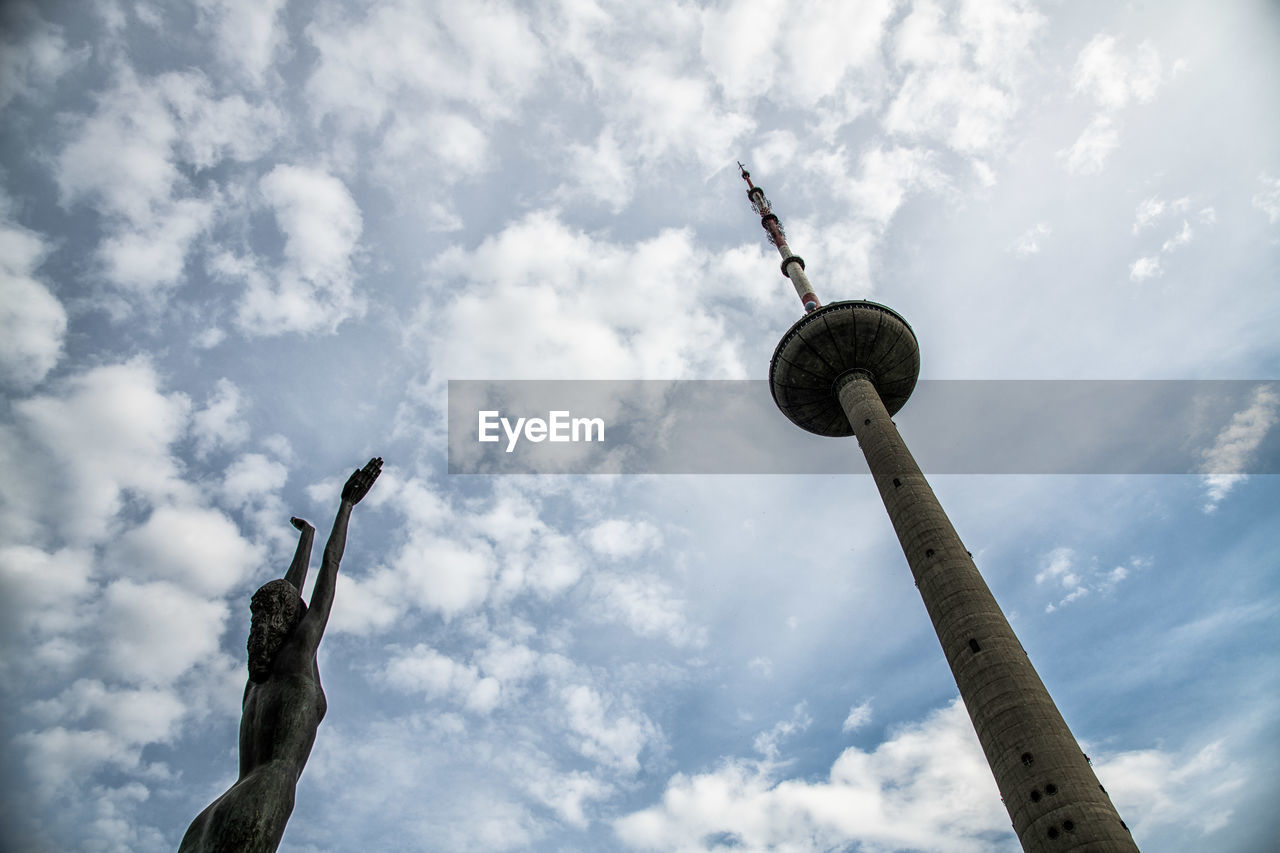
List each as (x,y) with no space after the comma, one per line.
(792,264)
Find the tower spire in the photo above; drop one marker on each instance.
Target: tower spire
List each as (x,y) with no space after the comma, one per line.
(792,264)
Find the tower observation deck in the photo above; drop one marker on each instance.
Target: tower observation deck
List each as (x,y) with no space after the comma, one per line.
(845,369)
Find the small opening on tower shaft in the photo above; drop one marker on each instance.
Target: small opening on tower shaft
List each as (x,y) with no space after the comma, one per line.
(1053,832)
(866,421)
(1035,796)
(973,646)
(1027,759)
(1051,789)
(928,552)
(1069,825)
(896,482)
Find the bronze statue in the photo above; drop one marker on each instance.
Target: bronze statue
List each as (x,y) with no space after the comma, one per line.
(283,702)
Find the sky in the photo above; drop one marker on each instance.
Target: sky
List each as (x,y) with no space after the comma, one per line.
(246,244)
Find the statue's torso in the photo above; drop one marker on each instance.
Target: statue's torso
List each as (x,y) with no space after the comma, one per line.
(277,730)
(280,716)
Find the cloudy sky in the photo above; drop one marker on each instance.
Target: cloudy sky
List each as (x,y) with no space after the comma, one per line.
(244,245)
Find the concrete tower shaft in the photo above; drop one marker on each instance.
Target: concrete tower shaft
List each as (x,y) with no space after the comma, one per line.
(1051,793)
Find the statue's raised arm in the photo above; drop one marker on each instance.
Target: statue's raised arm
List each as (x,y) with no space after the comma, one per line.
(358,484)
(297,574)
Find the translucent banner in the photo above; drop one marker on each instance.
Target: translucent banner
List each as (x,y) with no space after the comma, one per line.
(952,427)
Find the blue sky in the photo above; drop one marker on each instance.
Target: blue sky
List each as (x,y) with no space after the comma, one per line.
(244,246)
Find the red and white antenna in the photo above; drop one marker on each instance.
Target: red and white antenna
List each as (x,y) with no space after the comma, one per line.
(792,264)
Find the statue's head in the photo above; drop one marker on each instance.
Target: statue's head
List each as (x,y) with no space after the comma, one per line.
(277,609)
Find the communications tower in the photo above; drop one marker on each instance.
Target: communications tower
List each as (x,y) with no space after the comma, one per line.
(844,369)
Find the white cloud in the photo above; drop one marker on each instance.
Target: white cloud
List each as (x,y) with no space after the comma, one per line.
(739,45)
(1144,268)
(444,575)
(539,280)
(667,113)
(455,146)
(762,666)
(1029,242)
(1061,568)
(154,632)
(1148,214)
(838,39)
(922,38)
(1113,79)
(252,476)
(508,662)
(41,590)
(927,788)
(602,172)
(1195,791)
(101,433)
(646,605)
(154,254)
(959,87)
(33,55)
(1152,210)
(1149,210)
(212,129)
(116,824)
(567,794)
(1267,199)
(769,743)
(887,177)
(1058,566)
(1180,239)
(32,320)
(453,562)
(56,756)
(444,571)
(657,95)
(192,547)
(404,56)
(247,33)
(220,422)
(136,715)
(314,288)
(320,220)
(121,154)
(777,148)
(859,716)
(969,113)
(1088,154)
(616,739)
(1236,443)
(749,48)
(619,539)
(129,156)
(425,670)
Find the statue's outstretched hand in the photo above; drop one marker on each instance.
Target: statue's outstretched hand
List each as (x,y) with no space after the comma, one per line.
(359,483)
(300,523)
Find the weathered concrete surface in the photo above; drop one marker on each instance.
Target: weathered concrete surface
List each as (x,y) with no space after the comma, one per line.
(1052,795)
